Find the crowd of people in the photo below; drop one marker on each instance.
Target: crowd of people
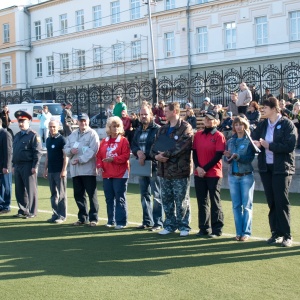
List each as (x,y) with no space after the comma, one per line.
(173,150)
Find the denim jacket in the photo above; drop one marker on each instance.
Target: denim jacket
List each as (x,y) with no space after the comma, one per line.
(245,154)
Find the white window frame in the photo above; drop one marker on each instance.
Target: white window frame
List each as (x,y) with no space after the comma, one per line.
(135,11)
(97,21)
(97,57)
(136,50)
(170,4)
(64,63)
(6,33)
(202,39)
(39,67)
(115,12)
(79,14)
(63,24)
(261,26)
(6,73)
(295,25)
(49,27)
(38,30)
(118,52)
(50,65)
(80,59)
(230,35)
(169,44)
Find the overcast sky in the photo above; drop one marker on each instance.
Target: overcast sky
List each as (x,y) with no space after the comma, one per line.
(8,3)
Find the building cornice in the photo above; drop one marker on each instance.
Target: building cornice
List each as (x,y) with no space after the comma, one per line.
(15,49)
(46,4)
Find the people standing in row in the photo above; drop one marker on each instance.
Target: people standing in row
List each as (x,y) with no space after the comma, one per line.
(55,170)
(244,98)
(113,166)
(208,148)
(239,155)
(6,121)
(81,148)
(44,116)
(149,185)
(26,158)
(276,137)
(119,107)
(174,170)
(68,119)
(5,170)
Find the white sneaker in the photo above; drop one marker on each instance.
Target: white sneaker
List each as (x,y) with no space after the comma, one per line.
(184,233)
(120,227)
(109,225)
(164,232)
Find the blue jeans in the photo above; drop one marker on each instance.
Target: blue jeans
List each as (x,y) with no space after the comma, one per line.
(241,191)
(152,216)
(115,196)
(5,191)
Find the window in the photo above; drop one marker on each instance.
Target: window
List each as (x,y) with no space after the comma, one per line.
(79,20)
(80,58)
(135,9)
(97,57)
(118,52)
(49,27)
(50,65)
(295,25)
(202,39)
(115,12)
(6,73)
(63,22)
(169,44)
(261,31)
(170,4)
(97,16)
(230,35)
(6,33)
(136,50)
(202,1)
(38,30)
(64,62)
(39,67)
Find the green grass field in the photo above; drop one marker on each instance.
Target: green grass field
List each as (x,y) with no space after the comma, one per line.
(59,261)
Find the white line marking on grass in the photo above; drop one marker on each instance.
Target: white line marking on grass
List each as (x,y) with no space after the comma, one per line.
(134,223)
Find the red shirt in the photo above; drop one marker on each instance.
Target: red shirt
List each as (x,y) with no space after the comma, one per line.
(206,146)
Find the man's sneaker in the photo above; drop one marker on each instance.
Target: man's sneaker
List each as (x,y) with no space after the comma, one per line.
(155,228)
(4,211)
(202,234)
(109,225)
(184,233)
(287,242)
(18,216)
(275,239)
(59,221)
(30,216)
(120,226)
(214,235)
(164,232)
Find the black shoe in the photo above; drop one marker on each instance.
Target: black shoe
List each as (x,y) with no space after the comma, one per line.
(30,216)
(275,239)
(143,227)
(4,211)
(202,234)
(214,235)
(51,220)
(18,216)
(155,228)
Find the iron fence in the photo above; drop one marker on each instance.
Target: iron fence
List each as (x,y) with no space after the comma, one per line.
(216,84)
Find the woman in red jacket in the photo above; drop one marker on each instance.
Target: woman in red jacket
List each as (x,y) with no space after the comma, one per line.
(113,166)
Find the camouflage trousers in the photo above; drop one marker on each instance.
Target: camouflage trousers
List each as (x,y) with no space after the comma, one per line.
(175,194)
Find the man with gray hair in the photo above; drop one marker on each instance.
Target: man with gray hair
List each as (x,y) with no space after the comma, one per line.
(244,98)
(56,171)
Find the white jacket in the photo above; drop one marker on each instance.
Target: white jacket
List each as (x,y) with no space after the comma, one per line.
(87,144)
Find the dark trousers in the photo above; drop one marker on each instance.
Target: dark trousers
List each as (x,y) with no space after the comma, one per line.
(83,185)
(5,191)
(276,188)
(242,109)
(26,189)
(209,218)
(58,197)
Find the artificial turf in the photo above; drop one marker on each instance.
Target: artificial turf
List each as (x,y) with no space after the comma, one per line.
(39,260)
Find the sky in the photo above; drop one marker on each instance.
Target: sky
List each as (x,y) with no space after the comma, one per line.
(8,3)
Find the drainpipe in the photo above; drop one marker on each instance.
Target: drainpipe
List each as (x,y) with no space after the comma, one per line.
(26,56)
(188,37)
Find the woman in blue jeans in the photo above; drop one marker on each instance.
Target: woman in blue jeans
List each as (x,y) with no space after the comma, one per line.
(239,155)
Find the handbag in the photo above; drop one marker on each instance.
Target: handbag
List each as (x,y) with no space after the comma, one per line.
(137,170)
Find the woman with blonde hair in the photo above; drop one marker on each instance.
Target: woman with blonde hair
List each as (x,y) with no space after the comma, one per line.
(113,166)
(191,118)
(239,155)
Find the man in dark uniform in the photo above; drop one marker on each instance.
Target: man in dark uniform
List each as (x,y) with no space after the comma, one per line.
(5,170)
(26,157)
(68,119)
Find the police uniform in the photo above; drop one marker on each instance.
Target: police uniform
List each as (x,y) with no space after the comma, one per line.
(26,156)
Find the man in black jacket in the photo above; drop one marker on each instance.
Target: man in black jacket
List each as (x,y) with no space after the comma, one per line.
(141,144)
(5,170)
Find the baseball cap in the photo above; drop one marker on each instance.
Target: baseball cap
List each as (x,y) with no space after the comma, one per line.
(207,99)
(189,105)
(212,115)
(83,116)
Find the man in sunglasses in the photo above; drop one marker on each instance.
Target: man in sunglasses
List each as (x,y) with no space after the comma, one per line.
(26,157)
